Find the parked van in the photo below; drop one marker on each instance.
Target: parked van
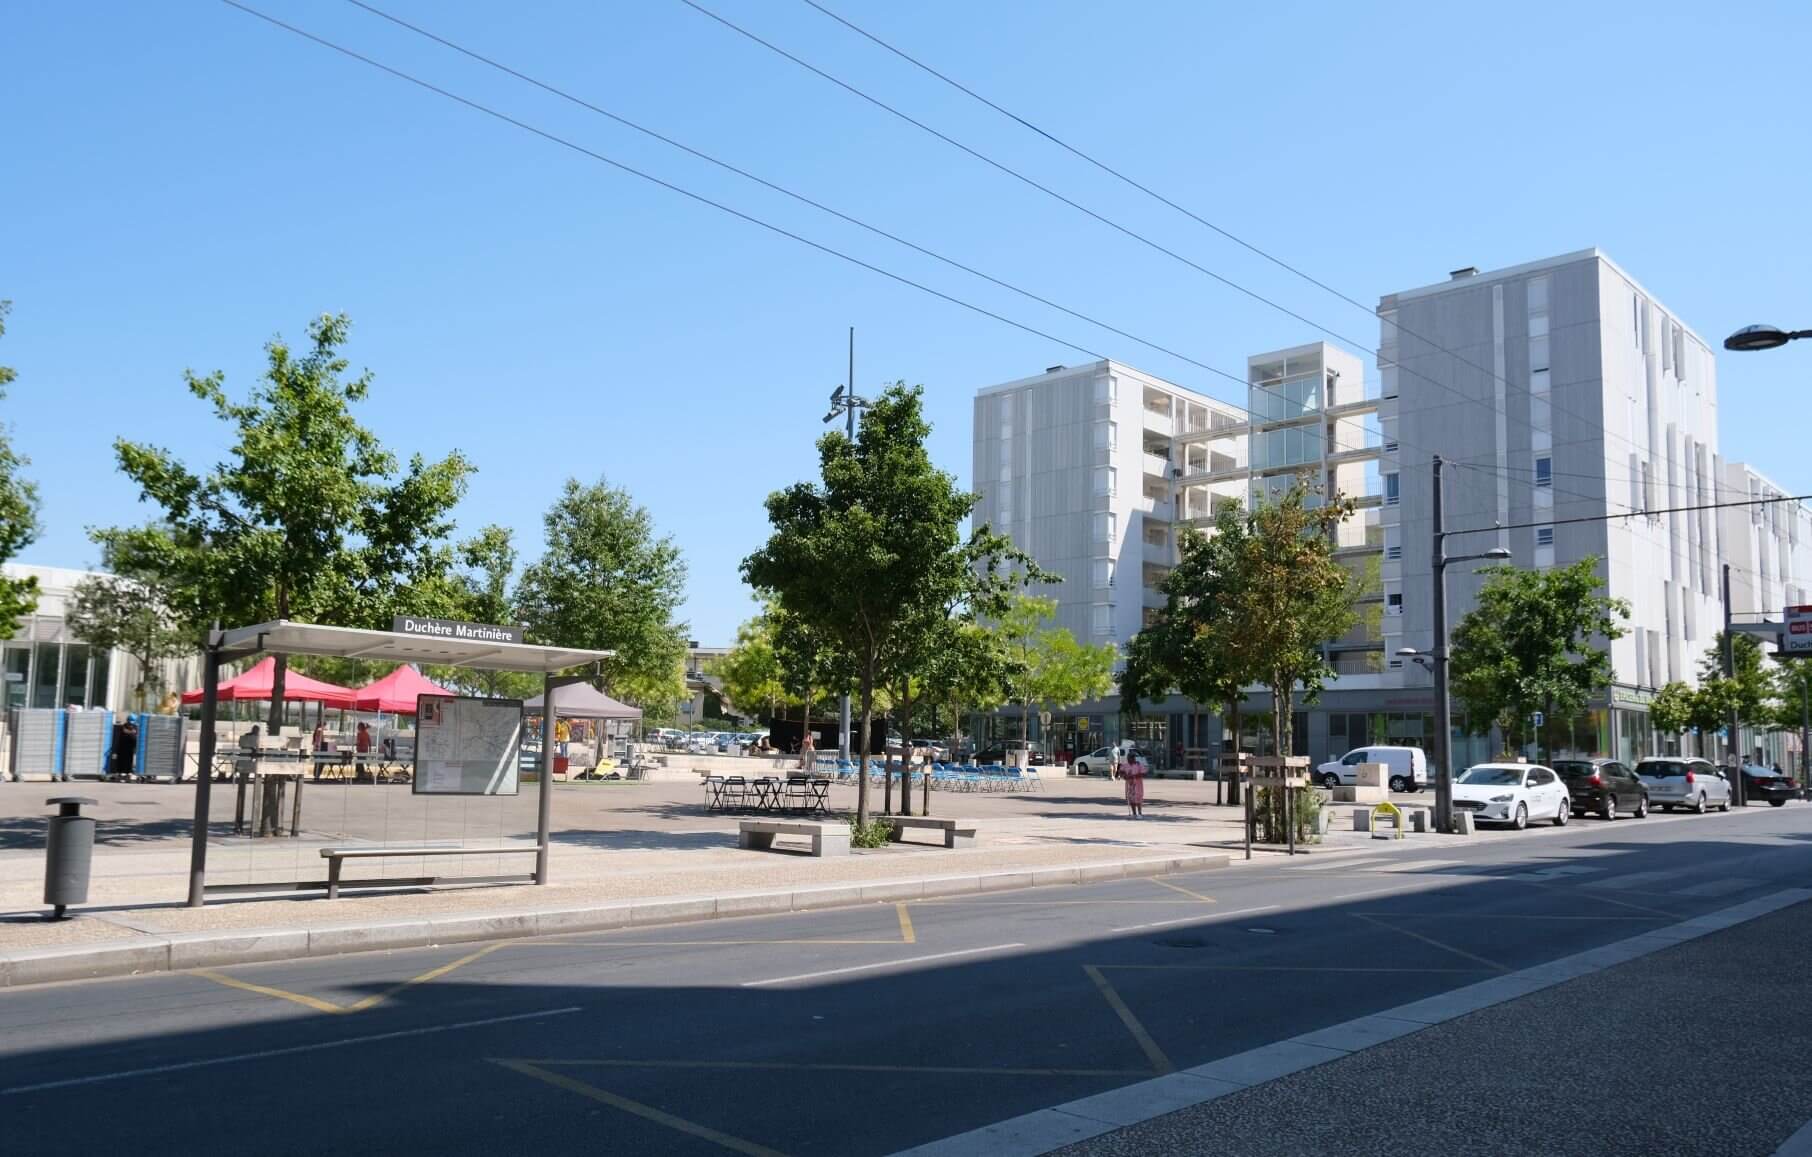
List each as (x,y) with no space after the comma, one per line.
(1408,767)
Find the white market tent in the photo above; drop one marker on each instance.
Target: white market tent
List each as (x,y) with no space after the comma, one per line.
(583,701)
(291,638)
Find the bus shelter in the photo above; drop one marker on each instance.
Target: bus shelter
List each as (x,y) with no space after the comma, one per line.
(476,646)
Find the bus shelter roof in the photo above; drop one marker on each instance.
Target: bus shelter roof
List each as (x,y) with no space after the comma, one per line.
(291,638)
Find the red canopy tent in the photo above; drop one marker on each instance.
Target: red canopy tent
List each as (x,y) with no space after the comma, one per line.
(255,683)
(396,692)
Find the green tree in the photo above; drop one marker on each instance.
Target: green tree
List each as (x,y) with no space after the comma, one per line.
(307,519)
(751,671)
(1792,693)
(481,593)
(968,673)
(1045,663)
(1532,643)
(606,581)
(1673,709)
(1751,693)
(854,554)
(111,612)
(18,513)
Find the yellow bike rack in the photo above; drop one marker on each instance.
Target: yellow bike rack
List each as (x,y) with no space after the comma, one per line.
(1394,812)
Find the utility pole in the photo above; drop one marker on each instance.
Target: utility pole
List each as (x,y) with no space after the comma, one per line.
(844,401)
(1737,796)
(1443,706)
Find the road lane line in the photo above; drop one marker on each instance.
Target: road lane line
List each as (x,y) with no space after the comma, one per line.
(1159,1062)
(821,1067)
(907,935)
(1185,891)
(878,964)
(1430,940)
(377,998)
(1713,889)
(302,999)
(1195,919)
(292,1050)
(646,1112)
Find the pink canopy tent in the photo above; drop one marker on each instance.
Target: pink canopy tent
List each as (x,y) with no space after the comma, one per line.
(396,692)
(255,683)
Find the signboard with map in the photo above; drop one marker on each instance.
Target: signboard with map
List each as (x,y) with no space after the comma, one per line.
(466,745)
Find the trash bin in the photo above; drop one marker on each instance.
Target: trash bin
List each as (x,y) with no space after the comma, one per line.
(69,853)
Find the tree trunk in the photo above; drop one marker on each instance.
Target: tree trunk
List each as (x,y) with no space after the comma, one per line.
(279,670)
(868,703)
(1541,733)
(1233,790)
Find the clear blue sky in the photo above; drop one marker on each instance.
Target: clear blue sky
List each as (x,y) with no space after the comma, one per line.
(181,182)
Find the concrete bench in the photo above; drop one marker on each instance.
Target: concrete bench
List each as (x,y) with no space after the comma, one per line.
(336,857)
(829,838)
(957,833)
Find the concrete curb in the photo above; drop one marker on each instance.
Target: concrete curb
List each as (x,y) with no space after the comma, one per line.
(177,951)
(1047,1129)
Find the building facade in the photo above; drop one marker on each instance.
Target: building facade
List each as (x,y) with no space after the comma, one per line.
(46,665)
(1557,392)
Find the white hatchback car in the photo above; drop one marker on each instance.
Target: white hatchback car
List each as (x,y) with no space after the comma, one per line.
(1512,793)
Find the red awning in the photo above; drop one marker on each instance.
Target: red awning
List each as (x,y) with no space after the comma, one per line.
(255,683)
(396,692)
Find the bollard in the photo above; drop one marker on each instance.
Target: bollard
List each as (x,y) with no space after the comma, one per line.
(1462,823)
(69,852)
(1419,821)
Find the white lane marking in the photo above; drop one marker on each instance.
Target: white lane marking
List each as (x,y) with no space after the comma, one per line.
(1640,879)
(1418,866)
(878,964)
(1371,892)
(1714,888)
(264,1054)
(1560,870)
(1201,919)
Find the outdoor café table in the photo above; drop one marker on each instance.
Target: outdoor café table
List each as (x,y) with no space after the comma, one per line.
(767,793)
(807,793)
(714,793)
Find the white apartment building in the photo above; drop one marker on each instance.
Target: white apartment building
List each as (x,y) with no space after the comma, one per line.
(1076,465)
(1561,389)
(1769,548)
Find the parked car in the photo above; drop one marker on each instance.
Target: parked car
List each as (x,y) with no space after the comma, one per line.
(1603,786)
(921,746)
(1512,793)
(1684,782)
(1408,767)
(1764,783)
(997,753)
(1097,762)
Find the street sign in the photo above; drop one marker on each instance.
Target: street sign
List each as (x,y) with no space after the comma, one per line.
(1044,719)
(1538,719)
(453,629)
(1797,638)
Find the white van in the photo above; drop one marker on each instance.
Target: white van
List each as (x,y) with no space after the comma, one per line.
(1408,767)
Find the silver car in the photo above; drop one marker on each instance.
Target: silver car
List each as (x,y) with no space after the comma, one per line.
(1684,782)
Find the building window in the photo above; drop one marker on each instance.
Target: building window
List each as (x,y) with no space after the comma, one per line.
(1392,488)
(1102,619)
(1679,353)
(1103,569)
(1104,481)
(1107,388)
(1106,434)
(1003,501)
(1541,413)
(1544,536)
(1544,471)
(1393,603)
(1106,527)
(1538,294)
(1538,353)
(1393,552)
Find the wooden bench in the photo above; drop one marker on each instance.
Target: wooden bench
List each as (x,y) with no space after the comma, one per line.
(336,857)
(957,833)
(829,838)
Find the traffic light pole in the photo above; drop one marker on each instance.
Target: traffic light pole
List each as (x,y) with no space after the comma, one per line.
(1443,704)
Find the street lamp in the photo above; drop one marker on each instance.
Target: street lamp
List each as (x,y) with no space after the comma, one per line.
(843,400)
(1762,337)
(1437,662)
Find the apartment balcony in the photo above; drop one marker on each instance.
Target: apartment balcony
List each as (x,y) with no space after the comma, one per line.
(1153,599)
(1358,663)
(1158,553)
(1345,455)
(1230,432)
(1156,466)
(1157,421)
(1156,509)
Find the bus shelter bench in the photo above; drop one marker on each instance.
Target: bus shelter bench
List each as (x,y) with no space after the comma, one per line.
(957,833)
(336,857)
(829,838)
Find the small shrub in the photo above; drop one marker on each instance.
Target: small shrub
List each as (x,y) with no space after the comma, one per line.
(872,836)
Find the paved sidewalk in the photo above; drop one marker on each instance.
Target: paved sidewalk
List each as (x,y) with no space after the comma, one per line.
(1625,1061)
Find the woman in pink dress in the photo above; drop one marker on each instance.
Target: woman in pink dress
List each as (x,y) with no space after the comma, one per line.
(1133,772)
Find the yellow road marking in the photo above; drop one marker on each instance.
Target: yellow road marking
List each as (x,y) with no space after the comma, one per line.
(313,1002)
(646,1112)
(823,1067)
(1429,940)
(1159,1062)
(907,935)
(377,998)
(1185,891)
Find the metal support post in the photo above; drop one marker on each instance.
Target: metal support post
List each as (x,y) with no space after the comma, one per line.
(1443,736)
(545,803)
(204,776)
(1738,797)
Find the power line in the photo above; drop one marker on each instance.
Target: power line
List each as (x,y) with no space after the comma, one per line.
(1629,514)
(1048,191)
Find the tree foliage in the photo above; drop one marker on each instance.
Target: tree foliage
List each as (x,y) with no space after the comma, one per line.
(605,581)
(309,517)
(18,513)
(111,612)
(1673,709)
(860,555)
(1045,664)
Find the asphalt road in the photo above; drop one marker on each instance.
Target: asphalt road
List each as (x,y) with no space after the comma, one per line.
(851,1031)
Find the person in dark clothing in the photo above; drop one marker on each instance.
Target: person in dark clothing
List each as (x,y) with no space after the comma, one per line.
(125,750)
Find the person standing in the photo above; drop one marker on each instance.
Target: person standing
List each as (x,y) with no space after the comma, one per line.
(1133,771)
(319,743)
(808,753)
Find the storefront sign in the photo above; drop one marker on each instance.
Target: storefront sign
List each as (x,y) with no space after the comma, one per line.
(452,629)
